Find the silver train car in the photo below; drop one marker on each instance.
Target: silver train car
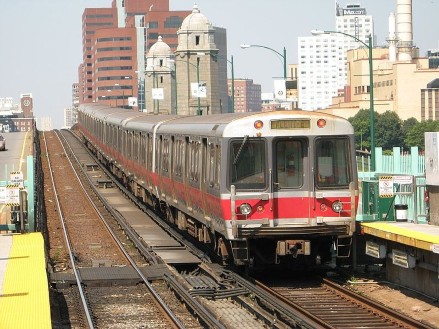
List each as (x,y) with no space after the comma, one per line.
(259,188)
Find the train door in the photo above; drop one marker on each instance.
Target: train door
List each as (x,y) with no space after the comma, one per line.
(195,174)
(291,195)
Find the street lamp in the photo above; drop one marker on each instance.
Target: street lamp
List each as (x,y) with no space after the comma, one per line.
(283,55)
(233,78)
(371,98)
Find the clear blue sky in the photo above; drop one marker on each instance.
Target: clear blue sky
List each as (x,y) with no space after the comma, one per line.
(40,40)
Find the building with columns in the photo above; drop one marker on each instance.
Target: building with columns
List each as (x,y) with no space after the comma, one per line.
(160,80)
(201,66)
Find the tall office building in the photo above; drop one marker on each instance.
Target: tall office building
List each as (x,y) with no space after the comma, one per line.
(115,42)
(322,58)
(320,62)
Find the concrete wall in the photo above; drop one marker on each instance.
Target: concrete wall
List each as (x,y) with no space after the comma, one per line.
(419,279)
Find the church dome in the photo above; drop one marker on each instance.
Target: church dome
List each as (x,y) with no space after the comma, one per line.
(195,21)
(159,49)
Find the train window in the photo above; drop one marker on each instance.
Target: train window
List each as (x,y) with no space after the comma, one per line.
(289,163)
(333,162)
(247,164)
(211,165)
(165,155)
(194,158)
(149,153)
(178,157)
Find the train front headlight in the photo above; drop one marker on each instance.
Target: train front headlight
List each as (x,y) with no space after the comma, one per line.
(245,209)
(337,206)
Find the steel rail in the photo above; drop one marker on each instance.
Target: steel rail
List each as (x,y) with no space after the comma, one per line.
(170,314)
(78,278)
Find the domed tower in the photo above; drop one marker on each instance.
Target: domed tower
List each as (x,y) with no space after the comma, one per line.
(201,66)
(159,79)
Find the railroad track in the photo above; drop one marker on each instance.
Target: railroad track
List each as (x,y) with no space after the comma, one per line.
(87,239)
(332,306)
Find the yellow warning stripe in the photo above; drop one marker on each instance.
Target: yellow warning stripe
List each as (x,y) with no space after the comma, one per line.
(401,234)
(24,302)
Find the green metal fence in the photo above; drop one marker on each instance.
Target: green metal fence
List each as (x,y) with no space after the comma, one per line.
(405,172)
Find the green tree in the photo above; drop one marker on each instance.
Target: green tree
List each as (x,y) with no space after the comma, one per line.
(388,131)
(415,137)
(407,125)
(361,124)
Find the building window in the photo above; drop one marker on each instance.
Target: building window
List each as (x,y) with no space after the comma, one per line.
(173,22)
(197,40)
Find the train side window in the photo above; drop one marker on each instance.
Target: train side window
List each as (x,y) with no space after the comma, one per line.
(178,158)
(333,162)
(165,154)
(211,164)
(289,163)
(194,158)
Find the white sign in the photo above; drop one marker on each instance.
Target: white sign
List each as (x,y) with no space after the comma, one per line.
(16,178)
(280,90)
(403,180)
(132,101)
(2,194)
(386,186)
(199,89)
(157,93)
(12,195)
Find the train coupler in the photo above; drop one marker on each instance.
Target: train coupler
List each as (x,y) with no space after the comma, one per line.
(293,247)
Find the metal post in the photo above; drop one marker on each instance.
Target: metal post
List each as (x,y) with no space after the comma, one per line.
(175,87)
(372,110)
(285,64)
(371,96)
(233,85)
(198,83)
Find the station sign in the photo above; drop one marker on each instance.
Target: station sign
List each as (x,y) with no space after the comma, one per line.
(16,178)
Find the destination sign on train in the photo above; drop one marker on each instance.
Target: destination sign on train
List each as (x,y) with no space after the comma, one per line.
(291,124)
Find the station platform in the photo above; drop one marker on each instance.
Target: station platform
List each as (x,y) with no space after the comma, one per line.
(24,291)
(421,236)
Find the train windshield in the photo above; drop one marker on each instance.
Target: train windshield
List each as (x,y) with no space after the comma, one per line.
(333,162)
(289,163)
(248,164)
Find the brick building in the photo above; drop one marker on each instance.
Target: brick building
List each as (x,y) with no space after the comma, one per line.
(115,42)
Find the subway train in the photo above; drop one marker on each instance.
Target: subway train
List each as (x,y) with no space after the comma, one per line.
(259,188)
